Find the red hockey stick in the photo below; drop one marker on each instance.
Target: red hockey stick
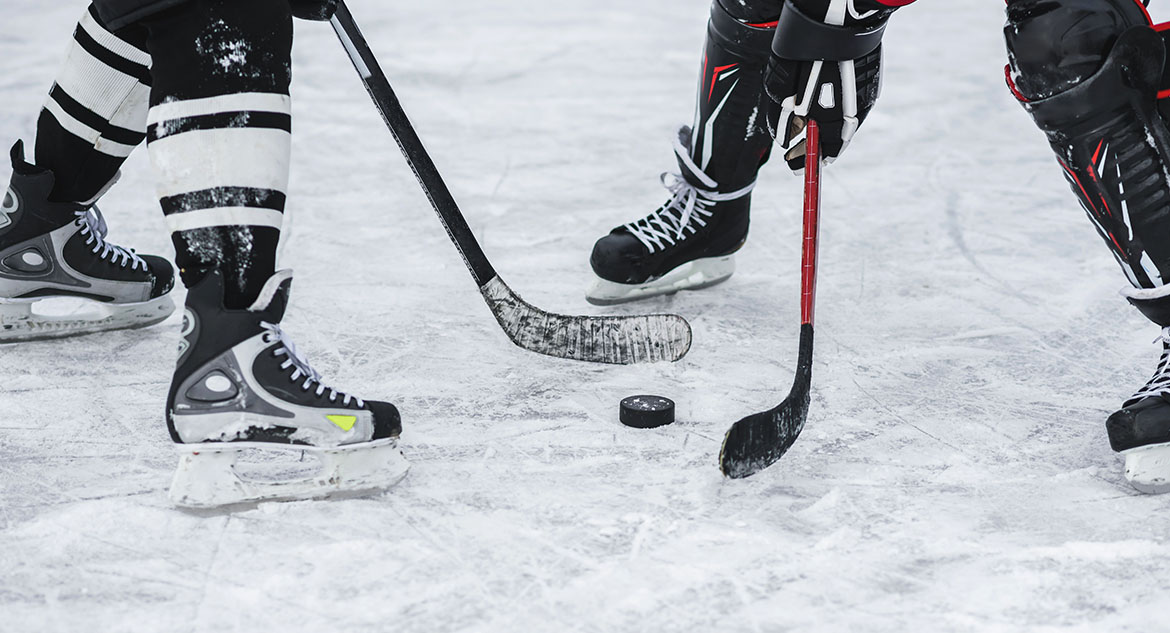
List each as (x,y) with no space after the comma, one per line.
(760,439)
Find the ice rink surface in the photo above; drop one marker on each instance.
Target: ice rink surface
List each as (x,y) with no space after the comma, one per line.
(954,475)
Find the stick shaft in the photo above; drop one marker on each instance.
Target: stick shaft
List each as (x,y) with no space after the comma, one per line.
(412,148)
(759,440)
(812,212)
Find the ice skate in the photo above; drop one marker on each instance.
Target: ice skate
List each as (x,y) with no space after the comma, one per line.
(689,242)
(686,244)
(1141,429)
(240,384)
(57,253)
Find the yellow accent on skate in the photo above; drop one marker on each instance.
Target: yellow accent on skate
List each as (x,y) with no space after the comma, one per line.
(343,422)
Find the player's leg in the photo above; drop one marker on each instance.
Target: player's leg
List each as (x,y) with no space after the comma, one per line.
(690,240)
(52,237)
(219,136)
(1091,72)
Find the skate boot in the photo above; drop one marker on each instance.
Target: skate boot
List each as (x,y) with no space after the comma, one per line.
(51,250)
(1141,429)
(240,384)
(686,244)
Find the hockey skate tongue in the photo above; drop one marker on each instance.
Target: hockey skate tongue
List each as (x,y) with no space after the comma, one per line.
(273,297)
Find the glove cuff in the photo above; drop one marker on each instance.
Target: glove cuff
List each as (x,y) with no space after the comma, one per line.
(803,38)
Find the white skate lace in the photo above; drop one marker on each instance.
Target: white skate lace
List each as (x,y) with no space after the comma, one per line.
(687,210)
(93,226)
(301,366)
(1159,384)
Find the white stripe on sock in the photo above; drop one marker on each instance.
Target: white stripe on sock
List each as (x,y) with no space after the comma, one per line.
(93,84)
(240,102)
(131,113)
(111,42)
(224,216)
(86,133)
(225,157)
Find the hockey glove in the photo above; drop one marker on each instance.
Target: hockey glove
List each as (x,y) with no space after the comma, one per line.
(321,10)
(826,64)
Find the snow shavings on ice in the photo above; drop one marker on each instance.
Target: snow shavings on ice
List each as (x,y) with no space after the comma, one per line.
(954,474)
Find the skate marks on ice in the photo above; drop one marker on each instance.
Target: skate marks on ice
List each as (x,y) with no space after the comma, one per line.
(520,515)
(619,340)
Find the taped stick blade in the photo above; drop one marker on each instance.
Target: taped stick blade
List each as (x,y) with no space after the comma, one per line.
(616,340)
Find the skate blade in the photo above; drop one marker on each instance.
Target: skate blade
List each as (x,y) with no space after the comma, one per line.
(693,275)
(208,475)
(1148,468)
(20,321)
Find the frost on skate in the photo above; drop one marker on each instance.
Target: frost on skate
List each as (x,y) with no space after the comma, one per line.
(59,276)
(210,476)
(242,386)
(36,319)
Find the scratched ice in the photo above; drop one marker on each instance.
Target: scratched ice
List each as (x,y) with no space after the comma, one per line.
(954,474)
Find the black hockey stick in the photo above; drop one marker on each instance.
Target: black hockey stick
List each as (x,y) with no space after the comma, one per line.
(760,439)
(600,339)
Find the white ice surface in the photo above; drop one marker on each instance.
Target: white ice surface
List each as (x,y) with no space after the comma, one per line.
(954,474)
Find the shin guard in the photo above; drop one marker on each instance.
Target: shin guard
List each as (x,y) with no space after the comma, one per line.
(1089,73)
(729,138)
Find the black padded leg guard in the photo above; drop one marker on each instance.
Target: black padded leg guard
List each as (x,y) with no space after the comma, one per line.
(1054,45)
(1088,72)
(729,138)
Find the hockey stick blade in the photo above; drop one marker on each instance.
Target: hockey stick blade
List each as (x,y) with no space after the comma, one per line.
(618,340)
(760,440)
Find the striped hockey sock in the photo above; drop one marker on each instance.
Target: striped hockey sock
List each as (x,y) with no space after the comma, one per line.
(95,114)
(219,137)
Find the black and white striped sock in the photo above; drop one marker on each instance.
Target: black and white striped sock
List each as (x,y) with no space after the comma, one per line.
(221,172)
(219,137)
(222,161)
(95,114)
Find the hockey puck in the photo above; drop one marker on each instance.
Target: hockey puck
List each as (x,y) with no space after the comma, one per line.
(647,412)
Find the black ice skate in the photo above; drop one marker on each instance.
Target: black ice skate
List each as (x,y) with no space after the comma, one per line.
(686,244)
(50,250)
(240,384)
(1141,429)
